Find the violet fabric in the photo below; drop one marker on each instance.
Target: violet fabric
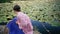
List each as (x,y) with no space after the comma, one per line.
(13,27)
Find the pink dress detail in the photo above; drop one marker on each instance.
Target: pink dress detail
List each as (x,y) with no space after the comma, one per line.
(24,23)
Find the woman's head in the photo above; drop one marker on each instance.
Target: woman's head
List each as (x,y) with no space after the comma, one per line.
(17,8)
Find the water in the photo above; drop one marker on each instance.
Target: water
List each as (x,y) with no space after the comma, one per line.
(41,29)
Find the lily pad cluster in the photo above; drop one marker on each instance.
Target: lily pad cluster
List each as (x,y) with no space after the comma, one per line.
(40,10)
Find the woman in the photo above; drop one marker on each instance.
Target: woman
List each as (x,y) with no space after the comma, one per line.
(23,20)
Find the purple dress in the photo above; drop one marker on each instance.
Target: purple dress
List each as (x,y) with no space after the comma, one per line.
(13,27)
